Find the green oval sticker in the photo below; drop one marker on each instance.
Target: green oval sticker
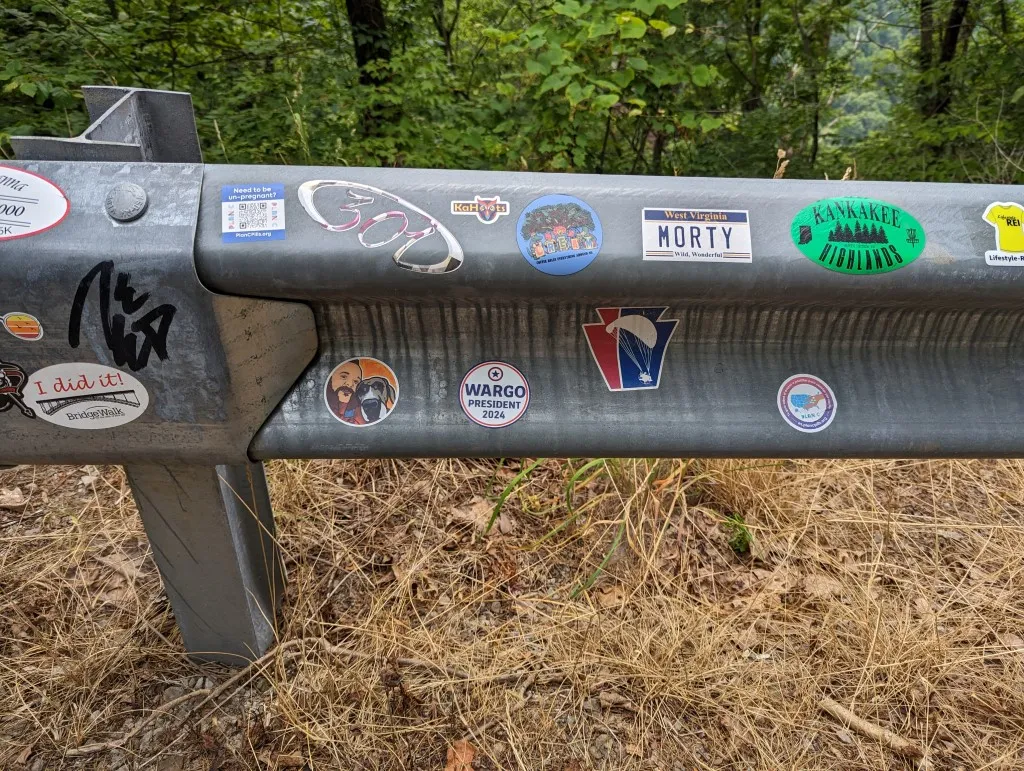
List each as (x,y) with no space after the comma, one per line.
(857,235)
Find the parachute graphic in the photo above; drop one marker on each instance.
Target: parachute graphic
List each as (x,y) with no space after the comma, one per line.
(637,336)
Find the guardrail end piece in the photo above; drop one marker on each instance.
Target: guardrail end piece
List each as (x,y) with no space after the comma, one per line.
(212,533)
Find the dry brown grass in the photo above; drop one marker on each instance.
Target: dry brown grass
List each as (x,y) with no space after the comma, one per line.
(892,587)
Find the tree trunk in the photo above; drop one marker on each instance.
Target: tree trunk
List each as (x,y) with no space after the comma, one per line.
(370,38)
(940,96)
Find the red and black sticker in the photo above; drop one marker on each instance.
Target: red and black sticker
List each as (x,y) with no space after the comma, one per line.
(12,389)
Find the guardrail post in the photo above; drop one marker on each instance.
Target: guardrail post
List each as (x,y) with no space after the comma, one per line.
(212,533)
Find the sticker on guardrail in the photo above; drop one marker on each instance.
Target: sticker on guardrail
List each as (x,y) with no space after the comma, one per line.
(29,204)
(494,394)
(487,210)
(85,395)
(368,212)
(696,235)
(559,234)
(860,236)
(807,403)
(12,389)
(251,213)
(361,391)
(1008,220)
(629,346)
(23,326)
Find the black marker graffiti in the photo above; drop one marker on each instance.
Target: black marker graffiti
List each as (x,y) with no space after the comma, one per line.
(153,326)
(12,384)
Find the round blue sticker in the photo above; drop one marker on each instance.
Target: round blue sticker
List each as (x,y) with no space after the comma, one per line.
(559,234)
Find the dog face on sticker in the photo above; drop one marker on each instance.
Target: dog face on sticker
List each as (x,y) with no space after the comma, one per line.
(361,392)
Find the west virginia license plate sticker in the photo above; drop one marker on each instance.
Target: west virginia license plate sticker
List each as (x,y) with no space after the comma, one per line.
(559,234)
(252,213)
(696,235)
(807,403)
(494,394)
(629,346)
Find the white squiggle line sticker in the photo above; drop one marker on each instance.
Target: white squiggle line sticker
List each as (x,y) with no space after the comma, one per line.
(450,263)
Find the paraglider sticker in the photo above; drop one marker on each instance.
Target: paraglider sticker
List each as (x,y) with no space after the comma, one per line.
(629,346)
(494,394)
(807,403)
(361,392)
(559,234)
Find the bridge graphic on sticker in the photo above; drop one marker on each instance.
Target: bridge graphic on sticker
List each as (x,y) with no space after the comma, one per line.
(127,398)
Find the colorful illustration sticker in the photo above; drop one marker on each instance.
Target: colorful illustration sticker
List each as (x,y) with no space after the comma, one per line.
(494,394)
(629,346)
(696,235)
(371,214)
(487,210)
(12,389)
(29,204)
(85,395)
(559,234)
(1008,221)
(251,213)
(860,236)
(807,403)
(361,391)
(23,326)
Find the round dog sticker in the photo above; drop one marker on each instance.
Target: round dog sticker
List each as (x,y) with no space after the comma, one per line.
(807,403)
(494,394)
(361,392)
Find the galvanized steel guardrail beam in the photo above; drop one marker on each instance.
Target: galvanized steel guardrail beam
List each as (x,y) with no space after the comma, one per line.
(196,320)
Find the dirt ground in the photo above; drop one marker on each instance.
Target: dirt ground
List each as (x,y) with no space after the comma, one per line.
(617,614)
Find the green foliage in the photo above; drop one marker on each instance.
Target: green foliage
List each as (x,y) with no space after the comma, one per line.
(610,86)
(740,537)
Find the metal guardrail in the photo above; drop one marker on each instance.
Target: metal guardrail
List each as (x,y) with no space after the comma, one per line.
(190,321)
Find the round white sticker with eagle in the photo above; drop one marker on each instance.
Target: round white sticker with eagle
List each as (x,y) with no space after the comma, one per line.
(29,204)
(85,395)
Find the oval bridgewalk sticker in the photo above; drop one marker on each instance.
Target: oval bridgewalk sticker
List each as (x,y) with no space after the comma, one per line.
(29,203)
(861,236)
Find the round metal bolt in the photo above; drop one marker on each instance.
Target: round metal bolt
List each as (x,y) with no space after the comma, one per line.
(126,202)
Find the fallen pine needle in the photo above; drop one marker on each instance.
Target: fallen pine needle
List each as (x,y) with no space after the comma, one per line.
(904,747)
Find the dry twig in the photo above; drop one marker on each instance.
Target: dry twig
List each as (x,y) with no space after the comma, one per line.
(904,747)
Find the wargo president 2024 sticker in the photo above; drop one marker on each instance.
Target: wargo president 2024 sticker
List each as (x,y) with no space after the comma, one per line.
(29,204)
(494,394)
(860,236)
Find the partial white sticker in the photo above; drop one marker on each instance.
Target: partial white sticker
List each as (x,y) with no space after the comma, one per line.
(696,235)
(494,394)
(85,395)
(251,213)
(1007,218)
(807,403)
(29,204)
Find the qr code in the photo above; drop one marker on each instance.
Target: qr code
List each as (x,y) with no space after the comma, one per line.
(253,215)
